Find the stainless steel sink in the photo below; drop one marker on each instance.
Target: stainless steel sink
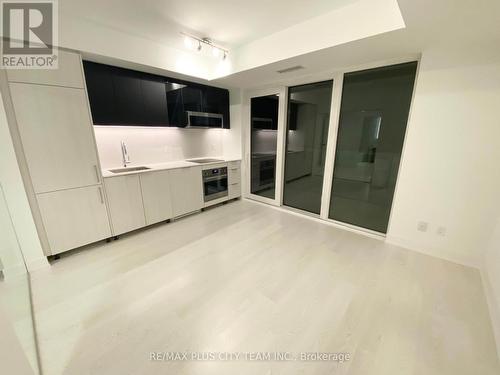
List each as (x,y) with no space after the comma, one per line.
(129,169)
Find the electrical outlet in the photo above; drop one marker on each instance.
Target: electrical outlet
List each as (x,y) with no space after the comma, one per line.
(422,226)
(441,231)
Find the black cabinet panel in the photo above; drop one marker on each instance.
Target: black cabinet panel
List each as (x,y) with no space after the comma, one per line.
(154,98)
(128,98)
(176,114)
(192,99)
(99,81)
(216,100)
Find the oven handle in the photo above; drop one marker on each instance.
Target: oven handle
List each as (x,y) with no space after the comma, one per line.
(209,179)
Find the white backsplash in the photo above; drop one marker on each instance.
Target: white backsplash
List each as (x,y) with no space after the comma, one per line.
(148,145)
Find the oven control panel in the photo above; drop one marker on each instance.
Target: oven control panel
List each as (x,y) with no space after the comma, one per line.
(213,172)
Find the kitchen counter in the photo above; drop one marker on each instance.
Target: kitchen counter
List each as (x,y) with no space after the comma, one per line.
(163,166)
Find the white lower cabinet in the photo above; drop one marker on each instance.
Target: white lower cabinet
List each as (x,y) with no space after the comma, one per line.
(234,190)
(74,217)
(234,179)
(156,196)
(125,203)
(186,189)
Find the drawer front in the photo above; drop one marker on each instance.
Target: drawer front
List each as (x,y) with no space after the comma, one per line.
(234,190)
(234,172)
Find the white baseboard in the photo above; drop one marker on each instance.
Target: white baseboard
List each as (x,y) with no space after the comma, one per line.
(17,271)
(421,249)
(37,264)
(492,306)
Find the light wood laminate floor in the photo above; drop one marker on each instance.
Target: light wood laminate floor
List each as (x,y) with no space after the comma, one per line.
(249,278)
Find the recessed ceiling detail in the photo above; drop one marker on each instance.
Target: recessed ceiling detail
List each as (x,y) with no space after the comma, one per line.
(291,69)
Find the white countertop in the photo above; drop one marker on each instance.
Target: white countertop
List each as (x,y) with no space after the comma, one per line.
(164,166)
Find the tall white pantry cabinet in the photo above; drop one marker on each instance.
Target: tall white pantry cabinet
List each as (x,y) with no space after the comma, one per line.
(51,116)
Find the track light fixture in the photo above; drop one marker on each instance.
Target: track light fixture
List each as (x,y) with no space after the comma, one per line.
(190,42)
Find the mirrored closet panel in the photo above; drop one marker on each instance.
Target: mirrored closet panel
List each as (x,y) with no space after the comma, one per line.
(373,117)
(17,330)
(306,140)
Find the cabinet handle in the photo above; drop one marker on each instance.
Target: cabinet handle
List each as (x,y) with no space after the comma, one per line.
(234,169)
(97,173)
(101,195)
(235,183)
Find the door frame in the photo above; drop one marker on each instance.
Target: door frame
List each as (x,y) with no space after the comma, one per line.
(337,76)
(282,92)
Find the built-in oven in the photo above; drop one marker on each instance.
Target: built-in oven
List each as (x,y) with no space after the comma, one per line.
(214,183)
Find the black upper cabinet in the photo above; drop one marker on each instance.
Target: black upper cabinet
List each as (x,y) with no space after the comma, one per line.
(176,115)
(155,105)
(99,79)
(126,97)
(129,106)
(216,100)
(192,98)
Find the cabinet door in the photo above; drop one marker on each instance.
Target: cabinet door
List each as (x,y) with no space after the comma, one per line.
(234,177)
(187,190)
(57,136)
(74,217)
(101,93)
(125,203)
(176,115)
(68,73)
(216,100)
(192,99)
(156,196)
(128,97)
(154,98)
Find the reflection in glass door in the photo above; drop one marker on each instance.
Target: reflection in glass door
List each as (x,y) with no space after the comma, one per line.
(306,139)
(373,118)
(263,145)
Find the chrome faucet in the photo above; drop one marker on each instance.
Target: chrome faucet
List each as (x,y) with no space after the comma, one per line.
(125,157)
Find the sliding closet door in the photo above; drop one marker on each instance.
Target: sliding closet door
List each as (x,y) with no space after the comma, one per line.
(264,112)
(306,139)
(373,117)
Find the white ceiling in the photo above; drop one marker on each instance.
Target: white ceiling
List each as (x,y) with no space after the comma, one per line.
(242,24)
(230,23)
(465,31)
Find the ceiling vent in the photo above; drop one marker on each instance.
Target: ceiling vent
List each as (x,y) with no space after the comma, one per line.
(291,69)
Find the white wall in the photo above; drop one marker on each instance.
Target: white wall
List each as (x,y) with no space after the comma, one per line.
(450,173)
(358,20)
(15,196)
(156,145)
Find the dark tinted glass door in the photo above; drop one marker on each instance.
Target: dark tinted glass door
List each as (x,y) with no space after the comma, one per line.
(307,136)
(373,117)
(264,125)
